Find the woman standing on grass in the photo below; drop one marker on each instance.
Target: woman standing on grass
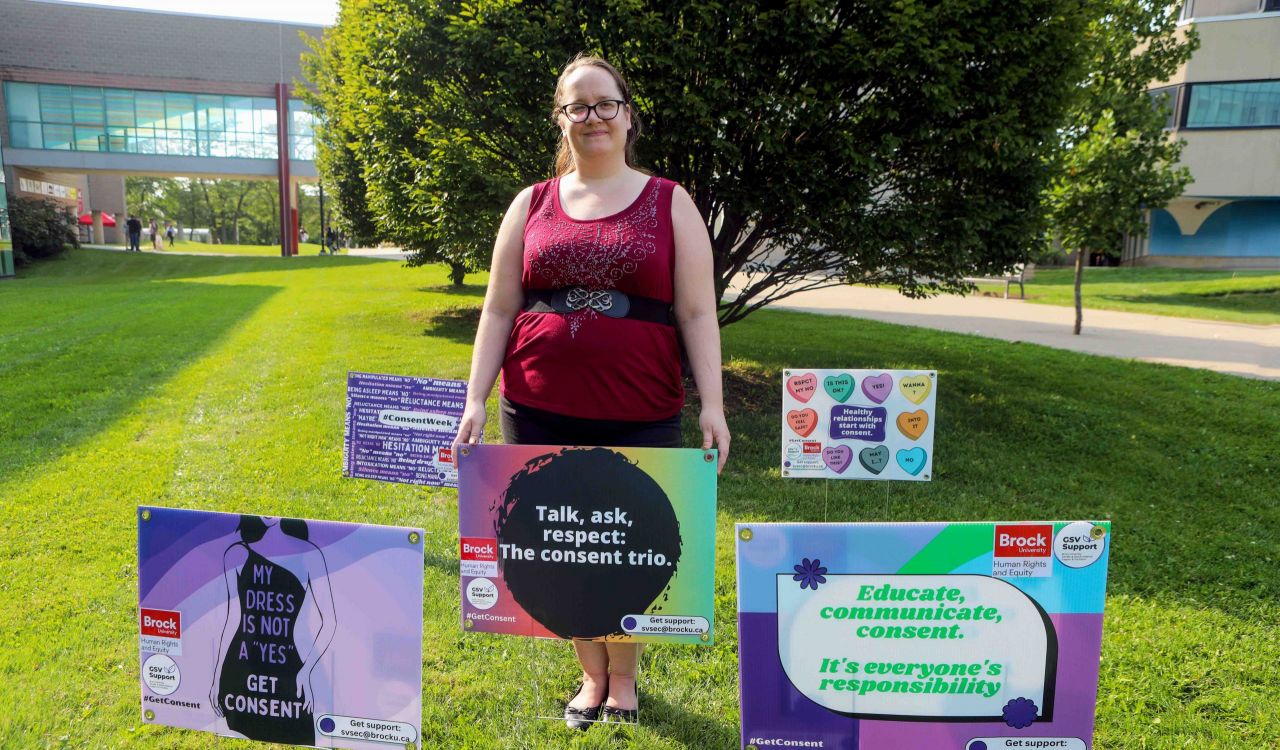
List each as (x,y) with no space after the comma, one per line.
(592,273)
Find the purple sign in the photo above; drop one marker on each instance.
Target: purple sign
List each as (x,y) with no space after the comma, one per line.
(280,629)
(858,423)
(401,429)
(956,636)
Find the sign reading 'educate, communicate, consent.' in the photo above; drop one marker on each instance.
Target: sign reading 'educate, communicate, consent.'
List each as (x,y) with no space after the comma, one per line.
(400,428)
(858,424)
(973,636)
(611,544)
(280,629)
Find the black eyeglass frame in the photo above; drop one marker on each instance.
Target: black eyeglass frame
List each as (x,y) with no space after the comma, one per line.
(592,108)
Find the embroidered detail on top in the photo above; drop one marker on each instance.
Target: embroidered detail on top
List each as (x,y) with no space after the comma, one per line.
(594,254)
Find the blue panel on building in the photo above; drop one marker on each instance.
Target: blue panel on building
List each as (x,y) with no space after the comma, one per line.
(1249,228)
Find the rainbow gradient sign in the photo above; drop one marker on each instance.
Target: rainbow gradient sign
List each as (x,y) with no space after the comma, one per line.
(280,629)
(605,544)
(954,636)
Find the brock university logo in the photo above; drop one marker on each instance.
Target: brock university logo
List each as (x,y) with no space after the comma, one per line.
(1018,540)
(161,623)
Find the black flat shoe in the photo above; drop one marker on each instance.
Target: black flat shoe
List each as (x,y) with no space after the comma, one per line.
(621,715)
(582,718)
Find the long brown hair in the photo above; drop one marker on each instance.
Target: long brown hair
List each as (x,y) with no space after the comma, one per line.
(564,157)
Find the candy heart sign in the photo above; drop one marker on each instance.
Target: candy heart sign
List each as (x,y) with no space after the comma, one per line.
(839,387)
(874,459)
(912,461)
(916,388)
(882,418)
(837,458)
(803,421)
(802,387)
(913,423)
(878,388)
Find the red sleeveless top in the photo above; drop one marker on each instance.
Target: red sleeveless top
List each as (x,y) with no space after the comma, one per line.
(584,364)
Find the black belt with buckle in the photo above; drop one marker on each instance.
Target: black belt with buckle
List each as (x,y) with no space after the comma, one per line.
(608,302)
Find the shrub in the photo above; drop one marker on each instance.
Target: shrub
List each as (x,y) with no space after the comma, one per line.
(41,229)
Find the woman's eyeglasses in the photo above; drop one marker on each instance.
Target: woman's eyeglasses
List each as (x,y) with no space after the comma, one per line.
(605,110)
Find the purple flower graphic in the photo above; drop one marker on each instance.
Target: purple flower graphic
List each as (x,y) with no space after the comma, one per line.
(1019,713)
(809,573)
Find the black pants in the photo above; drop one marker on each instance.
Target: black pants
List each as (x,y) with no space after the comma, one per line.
(525,425)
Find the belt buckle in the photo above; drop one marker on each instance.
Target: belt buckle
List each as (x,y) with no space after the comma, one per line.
(609,302)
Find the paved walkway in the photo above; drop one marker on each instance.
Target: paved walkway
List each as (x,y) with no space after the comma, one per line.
(1235,348)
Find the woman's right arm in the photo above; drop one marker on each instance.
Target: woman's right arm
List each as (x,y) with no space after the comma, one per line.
(502,301)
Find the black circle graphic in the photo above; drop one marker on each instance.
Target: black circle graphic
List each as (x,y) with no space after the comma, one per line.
(639,554)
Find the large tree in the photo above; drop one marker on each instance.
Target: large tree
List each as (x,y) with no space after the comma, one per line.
(1116,160)
(824,142)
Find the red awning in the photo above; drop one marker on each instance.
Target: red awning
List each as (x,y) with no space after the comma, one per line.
(107,220)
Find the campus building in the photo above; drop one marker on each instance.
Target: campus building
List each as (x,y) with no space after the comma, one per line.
(1226,106)
(93,94)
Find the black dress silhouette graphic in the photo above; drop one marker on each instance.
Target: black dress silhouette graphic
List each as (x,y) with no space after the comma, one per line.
(262,663)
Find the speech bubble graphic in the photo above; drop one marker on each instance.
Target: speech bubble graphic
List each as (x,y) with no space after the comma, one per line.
(917,647)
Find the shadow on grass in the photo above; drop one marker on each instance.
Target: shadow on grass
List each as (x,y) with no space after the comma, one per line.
(77,357)
(467,290)
(672,720)
(90,266)
(1173,456)
(457,324)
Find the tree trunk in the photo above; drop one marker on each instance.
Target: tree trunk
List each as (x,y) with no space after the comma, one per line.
(1079,277)
(457,272)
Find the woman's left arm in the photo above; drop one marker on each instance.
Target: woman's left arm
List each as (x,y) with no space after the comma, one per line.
(695,306)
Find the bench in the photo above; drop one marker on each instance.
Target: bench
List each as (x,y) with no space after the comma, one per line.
(1019,274)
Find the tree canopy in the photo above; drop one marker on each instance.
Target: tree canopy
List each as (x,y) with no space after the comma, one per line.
(824,143)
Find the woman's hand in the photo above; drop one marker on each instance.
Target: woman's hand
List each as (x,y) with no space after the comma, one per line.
(470,427)
(715,430)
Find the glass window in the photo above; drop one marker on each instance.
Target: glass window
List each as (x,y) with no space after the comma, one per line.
(55,103)
(87,107)
(22,101)
(57,137)
(90,139)
(119,107)
(150,108)
(1227,105)
(26,135)
(180,111)
(1167,97)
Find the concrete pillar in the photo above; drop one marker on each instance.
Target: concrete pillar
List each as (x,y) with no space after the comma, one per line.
(99,235)
(106,194)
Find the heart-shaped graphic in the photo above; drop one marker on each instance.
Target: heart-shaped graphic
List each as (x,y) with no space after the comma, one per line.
(839,387)
(913,423)
(802,387)
(874,459)
(912,461)
(803,421)
(916,388)
(837,457)
(878,388)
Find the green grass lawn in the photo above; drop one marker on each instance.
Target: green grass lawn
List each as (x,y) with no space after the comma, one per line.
(1234,296)
(218,383)
(187,246)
